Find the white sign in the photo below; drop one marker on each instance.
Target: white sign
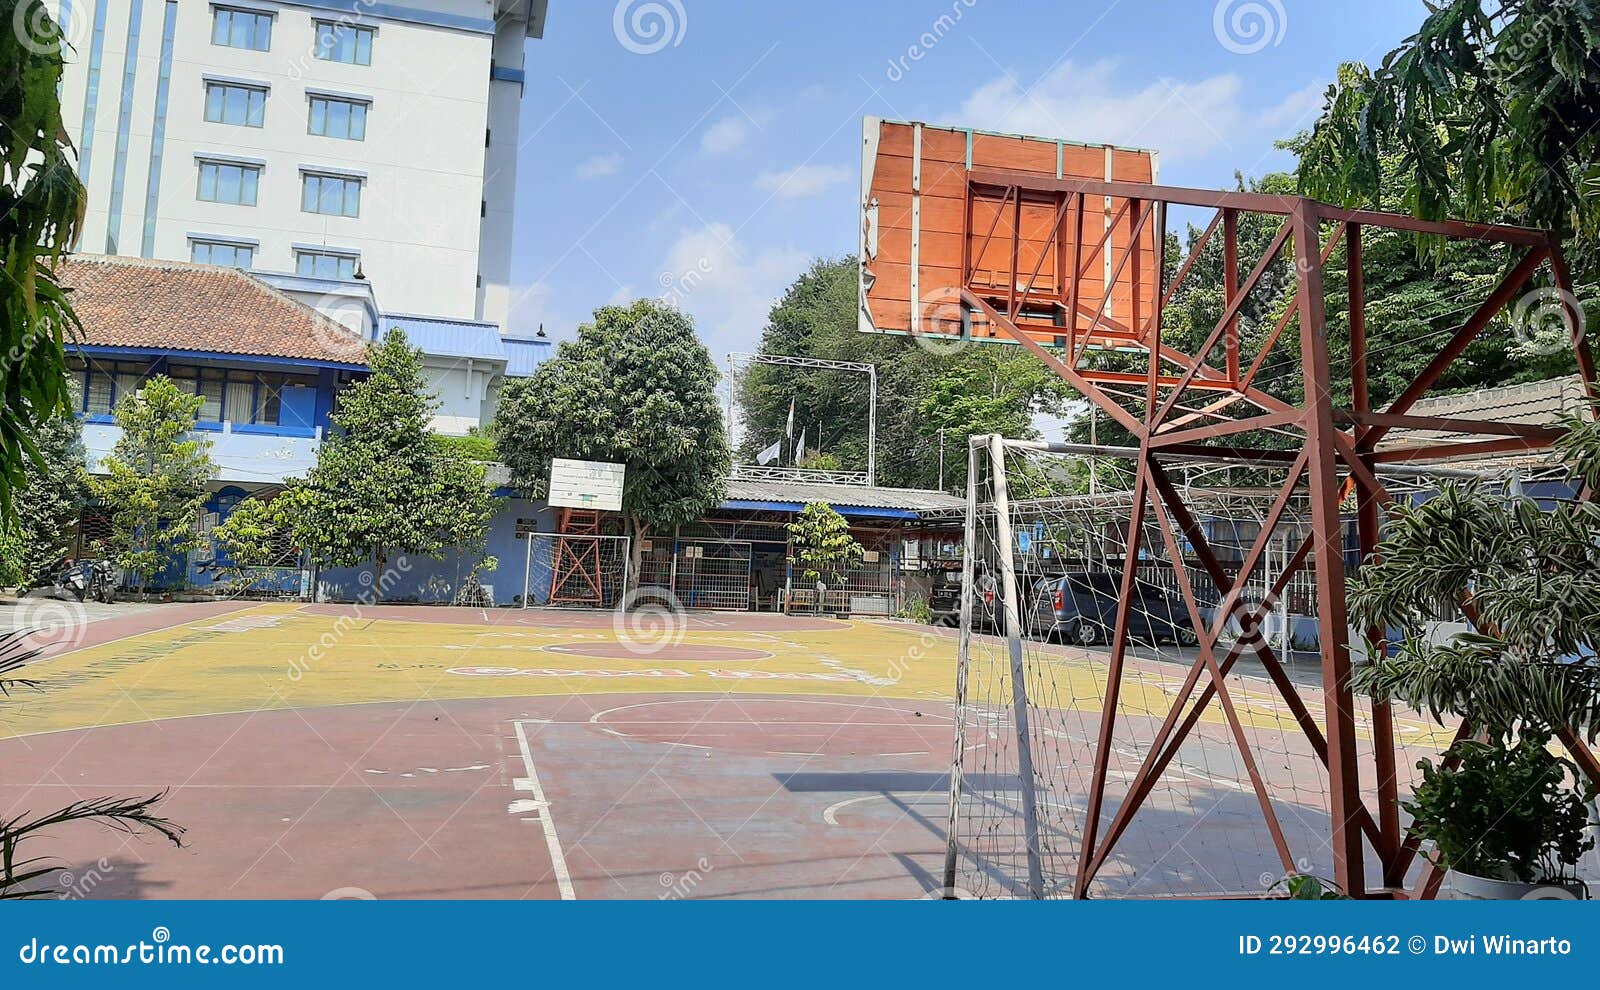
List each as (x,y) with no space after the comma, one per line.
(586,485)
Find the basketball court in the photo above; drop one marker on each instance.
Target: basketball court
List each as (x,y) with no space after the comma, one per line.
(319,751)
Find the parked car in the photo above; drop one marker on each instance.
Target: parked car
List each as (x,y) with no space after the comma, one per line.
(944,600)
(1082,609)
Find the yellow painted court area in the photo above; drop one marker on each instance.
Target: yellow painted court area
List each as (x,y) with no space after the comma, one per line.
(275,656)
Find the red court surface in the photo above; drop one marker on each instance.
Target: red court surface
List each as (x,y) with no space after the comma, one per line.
(587,797)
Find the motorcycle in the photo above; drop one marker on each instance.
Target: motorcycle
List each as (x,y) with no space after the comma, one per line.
(89,579)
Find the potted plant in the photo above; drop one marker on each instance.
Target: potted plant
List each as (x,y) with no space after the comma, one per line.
(1507,820)
(1503,810)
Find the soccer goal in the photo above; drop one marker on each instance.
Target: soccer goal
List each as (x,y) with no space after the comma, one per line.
(1169,747)
(575,571)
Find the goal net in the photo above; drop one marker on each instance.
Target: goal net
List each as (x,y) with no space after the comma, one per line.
(1188,784)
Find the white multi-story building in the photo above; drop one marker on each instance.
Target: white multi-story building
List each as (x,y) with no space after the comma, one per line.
(359,154)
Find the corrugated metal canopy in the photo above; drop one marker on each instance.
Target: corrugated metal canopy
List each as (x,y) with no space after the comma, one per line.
(795,494)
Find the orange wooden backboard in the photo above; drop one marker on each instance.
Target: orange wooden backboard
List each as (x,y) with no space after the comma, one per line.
(927,231)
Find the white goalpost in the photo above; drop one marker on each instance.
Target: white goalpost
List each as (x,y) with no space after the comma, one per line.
(576,571)
(1102,758)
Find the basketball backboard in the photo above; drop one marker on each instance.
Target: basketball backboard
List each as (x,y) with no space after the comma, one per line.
(937,218)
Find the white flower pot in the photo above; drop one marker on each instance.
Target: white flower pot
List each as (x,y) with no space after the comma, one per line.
(1466,887)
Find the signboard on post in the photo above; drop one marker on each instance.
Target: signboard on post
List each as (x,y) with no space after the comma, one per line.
(586,485)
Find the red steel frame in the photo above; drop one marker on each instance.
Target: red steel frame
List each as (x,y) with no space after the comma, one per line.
(1152,407)
(577,558)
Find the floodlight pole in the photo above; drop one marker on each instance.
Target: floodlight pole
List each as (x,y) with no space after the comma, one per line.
(872,425)
(821,364)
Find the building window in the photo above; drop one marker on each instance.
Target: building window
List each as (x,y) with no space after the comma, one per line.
(227,182)
(326,264)
(250,398)
(331,195)
(247,29)
(228,254)
(230,103)
(344,43)
(337,118)
(102,384)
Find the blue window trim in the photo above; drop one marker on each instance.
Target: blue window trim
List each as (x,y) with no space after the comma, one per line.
(158,131)
(119,157)
(249,89)
(217,356)
(230,368)
(243,8)
(91,96)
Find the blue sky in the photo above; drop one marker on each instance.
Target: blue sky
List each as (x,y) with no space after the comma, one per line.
(716,165)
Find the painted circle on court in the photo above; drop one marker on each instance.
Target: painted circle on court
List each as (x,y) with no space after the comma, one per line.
(787,727)
(686,652)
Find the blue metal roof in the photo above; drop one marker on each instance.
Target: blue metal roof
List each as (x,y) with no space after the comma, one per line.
(523,355)
(448,338)
(470,339)
(758,505)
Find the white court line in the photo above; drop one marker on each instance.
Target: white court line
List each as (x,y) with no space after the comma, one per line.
(558,860)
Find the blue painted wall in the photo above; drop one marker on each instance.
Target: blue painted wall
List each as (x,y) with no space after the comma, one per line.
(412,578)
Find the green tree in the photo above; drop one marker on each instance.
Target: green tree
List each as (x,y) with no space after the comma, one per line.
(382,485)
(822,544)
(1489,114)
(155,478)
(41,207)
(968,390)
(34,539)
(636,387)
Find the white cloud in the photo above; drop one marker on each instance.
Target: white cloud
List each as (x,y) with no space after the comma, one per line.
(802,180)
(1179,118)
(599,166)
(1298,111)
(726,285)
(731,132)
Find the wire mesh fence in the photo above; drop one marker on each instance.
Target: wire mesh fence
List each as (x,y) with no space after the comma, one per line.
(1207,785)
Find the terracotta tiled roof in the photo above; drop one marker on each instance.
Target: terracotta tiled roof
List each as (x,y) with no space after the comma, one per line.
(172,305)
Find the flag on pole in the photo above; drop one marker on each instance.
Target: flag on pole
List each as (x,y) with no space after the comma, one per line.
(789,431)
(770,454)
(800,447)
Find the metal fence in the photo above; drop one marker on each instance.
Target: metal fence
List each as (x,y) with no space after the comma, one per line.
(700,573)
